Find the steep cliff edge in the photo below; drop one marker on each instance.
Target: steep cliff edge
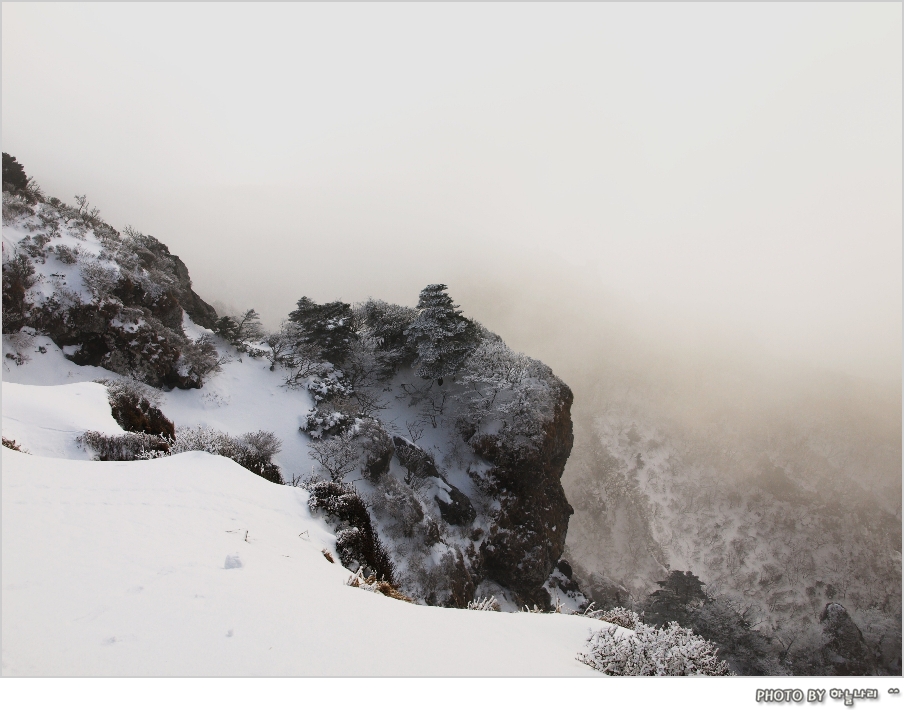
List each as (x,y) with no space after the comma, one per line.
(435,451)
(527,537)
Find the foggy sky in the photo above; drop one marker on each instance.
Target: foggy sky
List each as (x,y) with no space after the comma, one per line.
(717,175)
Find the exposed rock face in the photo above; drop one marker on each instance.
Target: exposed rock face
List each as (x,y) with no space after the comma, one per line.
(415,460)
(845,651)
(198,310)
(458,510)
(109,300)
(527,537)
(124,340)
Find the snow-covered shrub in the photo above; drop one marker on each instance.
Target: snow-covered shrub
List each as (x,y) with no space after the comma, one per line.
(672,651)
(14,206)
(21,343)
(18,277)
(130,446)
(252,450)
(136,408)
(356,541)
(484,604)
(320,423)
(11,444)
(100,278)
(65,254)
(620,616)
(200,358)
(379,586)
(337,455)
(377,446)
(330,386)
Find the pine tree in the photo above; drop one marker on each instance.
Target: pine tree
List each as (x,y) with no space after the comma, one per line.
(328,327)
(442,337)
(13,173)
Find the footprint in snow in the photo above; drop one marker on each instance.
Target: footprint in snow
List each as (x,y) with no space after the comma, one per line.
(233,562)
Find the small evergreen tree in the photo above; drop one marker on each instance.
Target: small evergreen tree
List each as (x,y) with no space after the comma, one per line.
(442,337)
(13,173)
(329,327)
(237,331)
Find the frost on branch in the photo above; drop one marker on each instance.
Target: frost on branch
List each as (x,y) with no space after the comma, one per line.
(506,387)
(484,604)
(378,586)
(649,651)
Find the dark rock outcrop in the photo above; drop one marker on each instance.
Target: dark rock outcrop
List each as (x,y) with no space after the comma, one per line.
(458,511)
(527,536)
(415,460)
(125,315)
(182,295)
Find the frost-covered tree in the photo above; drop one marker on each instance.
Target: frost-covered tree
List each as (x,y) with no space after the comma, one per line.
(499,384)
(329,327)
(440,335)
(238,330)
(13,173)
(385,325)
(649,651)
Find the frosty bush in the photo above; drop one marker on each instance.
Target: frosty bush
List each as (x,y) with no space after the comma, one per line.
(14,206)
(18,277)
(619,616)
(99,278)
(672,651)
(503,385)
(320,423)
(356,541)
(377,446)
(484,604)
(129,446)
(337,455)
(379,586)
(252,451)
(11,444)
(330,386)
(201,358)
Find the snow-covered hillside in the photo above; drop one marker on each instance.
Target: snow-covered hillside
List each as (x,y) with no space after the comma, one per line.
(187,494)
(453,443)
(192,565)
(122,556)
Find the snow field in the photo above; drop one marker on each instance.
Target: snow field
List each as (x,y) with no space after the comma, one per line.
(120,568)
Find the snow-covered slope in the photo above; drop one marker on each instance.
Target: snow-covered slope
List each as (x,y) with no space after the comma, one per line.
(192,565)
(47,420)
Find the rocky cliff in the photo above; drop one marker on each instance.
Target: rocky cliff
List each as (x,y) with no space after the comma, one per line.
(436,451)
